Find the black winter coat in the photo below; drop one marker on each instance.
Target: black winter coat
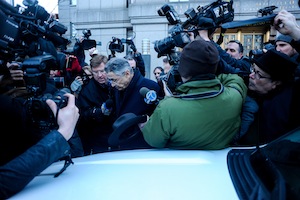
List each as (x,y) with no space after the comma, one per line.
(93,126)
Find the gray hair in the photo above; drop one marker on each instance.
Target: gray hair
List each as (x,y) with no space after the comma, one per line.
(118,66)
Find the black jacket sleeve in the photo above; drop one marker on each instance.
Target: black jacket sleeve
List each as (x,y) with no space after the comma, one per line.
(140,64)
(243,64)
(17,173)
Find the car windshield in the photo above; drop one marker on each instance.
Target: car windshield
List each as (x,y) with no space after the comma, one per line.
(284,153)
(268,172)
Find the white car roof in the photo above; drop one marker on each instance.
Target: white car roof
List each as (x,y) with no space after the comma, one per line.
(137,174)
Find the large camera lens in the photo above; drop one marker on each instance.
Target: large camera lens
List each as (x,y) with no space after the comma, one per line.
(164,46)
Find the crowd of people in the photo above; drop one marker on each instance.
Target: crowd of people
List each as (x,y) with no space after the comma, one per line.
(225,99)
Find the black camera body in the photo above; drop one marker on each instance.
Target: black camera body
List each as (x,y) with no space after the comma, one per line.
(208,17)
(21,31)
(178,37)
(36,71)
(172,78)
(255,53)
(39,113)
(117,45)
(87,43)
(85,78)
(31,37)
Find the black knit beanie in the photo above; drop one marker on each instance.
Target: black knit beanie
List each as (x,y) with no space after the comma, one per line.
(197,58)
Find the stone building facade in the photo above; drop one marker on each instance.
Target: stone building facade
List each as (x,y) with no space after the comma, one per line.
(139,19)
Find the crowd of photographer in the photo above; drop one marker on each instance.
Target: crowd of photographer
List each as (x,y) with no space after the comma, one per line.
(211,98)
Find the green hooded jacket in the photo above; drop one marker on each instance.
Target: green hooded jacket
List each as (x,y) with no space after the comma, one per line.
(206,123)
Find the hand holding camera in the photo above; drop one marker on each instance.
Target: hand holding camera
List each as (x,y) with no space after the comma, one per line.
(285,22)
(67,116)
(15,71)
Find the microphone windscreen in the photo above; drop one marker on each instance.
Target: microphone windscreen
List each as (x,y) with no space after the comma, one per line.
(144,91)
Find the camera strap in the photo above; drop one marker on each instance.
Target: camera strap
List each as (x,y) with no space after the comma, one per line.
(68,162)
(201,95)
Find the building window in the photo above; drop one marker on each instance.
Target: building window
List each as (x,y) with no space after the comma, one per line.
(73,2)
(252,42)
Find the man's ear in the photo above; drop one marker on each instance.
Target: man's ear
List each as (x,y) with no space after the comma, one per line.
(241,55)
(127,73)
(276,84)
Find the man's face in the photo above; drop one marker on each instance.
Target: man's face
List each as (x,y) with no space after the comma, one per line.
(120,82)
(285,48)
(260,81)
(233,50)
(99,73)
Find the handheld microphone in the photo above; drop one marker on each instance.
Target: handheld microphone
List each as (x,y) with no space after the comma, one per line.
(106,107)
(150,96)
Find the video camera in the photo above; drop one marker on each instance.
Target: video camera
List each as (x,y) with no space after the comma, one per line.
(40,115)
(22,31)
(36,71)
(31,37)
(87,43)
(208,17)
(117,45)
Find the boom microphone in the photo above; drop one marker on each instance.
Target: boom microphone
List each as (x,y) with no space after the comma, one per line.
(150,96)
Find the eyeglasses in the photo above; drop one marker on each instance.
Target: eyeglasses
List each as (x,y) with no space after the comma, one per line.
(114,80)
(98,72)
(257,75)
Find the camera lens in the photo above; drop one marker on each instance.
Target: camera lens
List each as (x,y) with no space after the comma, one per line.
(164,46)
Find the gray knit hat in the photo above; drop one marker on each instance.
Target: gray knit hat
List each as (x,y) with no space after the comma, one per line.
(284,38)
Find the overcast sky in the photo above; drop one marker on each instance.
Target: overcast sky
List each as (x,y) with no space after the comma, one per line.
(49,5)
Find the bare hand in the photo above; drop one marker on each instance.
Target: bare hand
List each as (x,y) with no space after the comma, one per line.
(285,22)
(15,72)
(67,117)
